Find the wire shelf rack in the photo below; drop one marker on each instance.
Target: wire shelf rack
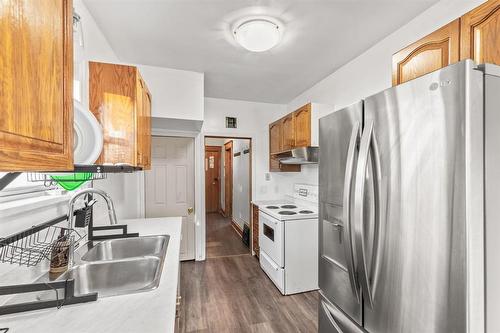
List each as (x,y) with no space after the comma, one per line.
(30,247)
(52,179)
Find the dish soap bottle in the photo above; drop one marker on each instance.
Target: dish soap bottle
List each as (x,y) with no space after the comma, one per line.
(60,254)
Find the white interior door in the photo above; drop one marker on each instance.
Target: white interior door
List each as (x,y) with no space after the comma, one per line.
(170,186)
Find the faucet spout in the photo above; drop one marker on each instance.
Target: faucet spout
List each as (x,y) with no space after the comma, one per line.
(104,195)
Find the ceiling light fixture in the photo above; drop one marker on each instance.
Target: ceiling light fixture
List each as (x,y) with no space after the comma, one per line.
(258,34)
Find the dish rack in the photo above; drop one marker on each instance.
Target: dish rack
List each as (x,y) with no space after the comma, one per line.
(52,179)
(31,246)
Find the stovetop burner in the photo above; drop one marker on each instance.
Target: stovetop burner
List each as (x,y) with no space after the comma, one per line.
(287,212)
(272,207)
(306,212)
(288,206)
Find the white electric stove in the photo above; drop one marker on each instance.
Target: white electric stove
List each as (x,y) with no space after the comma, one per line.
(288,240)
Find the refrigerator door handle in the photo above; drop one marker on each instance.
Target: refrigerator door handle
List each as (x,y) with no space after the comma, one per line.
(368,143)
(330,317)
(348,244)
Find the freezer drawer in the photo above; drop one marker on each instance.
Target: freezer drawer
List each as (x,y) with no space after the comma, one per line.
(275,273)
(334,285)
(333,320)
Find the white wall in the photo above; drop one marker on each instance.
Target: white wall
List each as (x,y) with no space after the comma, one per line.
(371,72)
(253,121)
(176,94)
(95,48)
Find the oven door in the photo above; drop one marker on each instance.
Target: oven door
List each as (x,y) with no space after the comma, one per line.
(271,234)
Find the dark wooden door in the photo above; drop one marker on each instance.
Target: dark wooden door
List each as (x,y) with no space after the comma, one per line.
(212,178)
(228,179)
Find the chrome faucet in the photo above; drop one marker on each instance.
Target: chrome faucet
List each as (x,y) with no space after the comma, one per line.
(104,195)
(111,214)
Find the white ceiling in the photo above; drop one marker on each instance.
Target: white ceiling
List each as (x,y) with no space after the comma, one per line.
(319,37)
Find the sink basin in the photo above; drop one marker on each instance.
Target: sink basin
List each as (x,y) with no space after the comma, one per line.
(111,278)
(117,249)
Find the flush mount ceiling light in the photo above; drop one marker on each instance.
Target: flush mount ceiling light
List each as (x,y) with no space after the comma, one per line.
(257,34)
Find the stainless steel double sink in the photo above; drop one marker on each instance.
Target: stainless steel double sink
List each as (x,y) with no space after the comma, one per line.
(119,266)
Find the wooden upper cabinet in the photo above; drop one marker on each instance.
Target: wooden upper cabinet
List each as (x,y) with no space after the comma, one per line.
(121,102)
(144,125)
(36,92)
(303,126)
(437,50)
(480,34)
(288,132)
(275,142)
(146,130)
(275,137)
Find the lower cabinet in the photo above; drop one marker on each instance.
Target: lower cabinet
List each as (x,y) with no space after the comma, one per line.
(255,230)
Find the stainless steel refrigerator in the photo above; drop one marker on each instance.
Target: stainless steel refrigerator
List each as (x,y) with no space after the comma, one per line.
(409,196)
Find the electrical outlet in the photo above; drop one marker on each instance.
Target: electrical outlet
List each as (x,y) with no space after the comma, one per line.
(268,176)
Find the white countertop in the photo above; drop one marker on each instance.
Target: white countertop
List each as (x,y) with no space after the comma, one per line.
(150,311)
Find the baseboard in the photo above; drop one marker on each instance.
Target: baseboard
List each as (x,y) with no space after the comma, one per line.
(222,212)
(237,228)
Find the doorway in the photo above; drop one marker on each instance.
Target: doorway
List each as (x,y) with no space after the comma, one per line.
(212,178)
(227,194)
(170,186)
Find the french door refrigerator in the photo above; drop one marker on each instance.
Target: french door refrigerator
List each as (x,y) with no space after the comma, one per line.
(409,182)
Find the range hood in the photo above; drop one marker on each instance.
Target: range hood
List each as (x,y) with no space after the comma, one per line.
(302,155)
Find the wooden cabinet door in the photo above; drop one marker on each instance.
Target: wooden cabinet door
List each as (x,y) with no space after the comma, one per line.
(145,130)
(303,126)
(274,145)
(113,91)
(437,50)
(288,132)
(480,34)
(275,137)
(36,92)
(143,110)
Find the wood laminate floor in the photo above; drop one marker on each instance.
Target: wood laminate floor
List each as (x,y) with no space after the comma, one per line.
(233,294)
(222,239)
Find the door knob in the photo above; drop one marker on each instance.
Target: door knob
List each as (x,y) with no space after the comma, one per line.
(190,210)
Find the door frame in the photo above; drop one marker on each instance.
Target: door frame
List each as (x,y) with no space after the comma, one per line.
(228,212)
(215,149)
(142,179)
(199,185)
(250,138)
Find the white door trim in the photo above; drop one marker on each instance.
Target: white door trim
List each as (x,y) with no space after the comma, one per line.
(199,179)
(200,151)
(199,193)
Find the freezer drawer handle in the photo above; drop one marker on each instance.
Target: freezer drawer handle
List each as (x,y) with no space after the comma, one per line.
(348,180)
(328,313)
(367,141)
